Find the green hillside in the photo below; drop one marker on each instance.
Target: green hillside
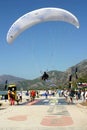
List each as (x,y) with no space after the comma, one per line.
(56,78)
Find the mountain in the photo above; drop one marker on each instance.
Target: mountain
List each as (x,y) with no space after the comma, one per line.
(56,78)
(10,78)
(81,69)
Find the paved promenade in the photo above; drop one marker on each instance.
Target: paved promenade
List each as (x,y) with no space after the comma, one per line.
(54,115)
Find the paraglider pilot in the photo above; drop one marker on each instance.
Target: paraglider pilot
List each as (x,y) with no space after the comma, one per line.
(45,76)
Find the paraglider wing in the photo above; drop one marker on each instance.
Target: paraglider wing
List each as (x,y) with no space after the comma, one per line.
(38,16)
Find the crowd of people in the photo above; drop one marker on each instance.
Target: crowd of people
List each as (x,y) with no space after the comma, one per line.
(70,94)
(14,96)
(31,95)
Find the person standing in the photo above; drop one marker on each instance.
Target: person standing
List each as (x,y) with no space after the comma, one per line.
(86,95)
(32,95)
(12,97)
(82,96)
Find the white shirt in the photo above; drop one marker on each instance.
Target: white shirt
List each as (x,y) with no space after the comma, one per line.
(86,95)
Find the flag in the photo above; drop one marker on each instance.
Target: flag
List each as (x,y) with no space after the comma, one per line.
(70,84)
(6,83)
(70,78)
(76,73)
(76,70)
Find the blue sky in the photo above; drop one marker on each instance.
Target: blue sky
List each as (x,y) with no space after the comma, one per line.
(45,46)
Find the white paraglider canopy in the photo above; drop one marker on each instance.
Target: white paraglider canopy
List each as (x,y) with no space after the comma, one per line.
(38,16)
